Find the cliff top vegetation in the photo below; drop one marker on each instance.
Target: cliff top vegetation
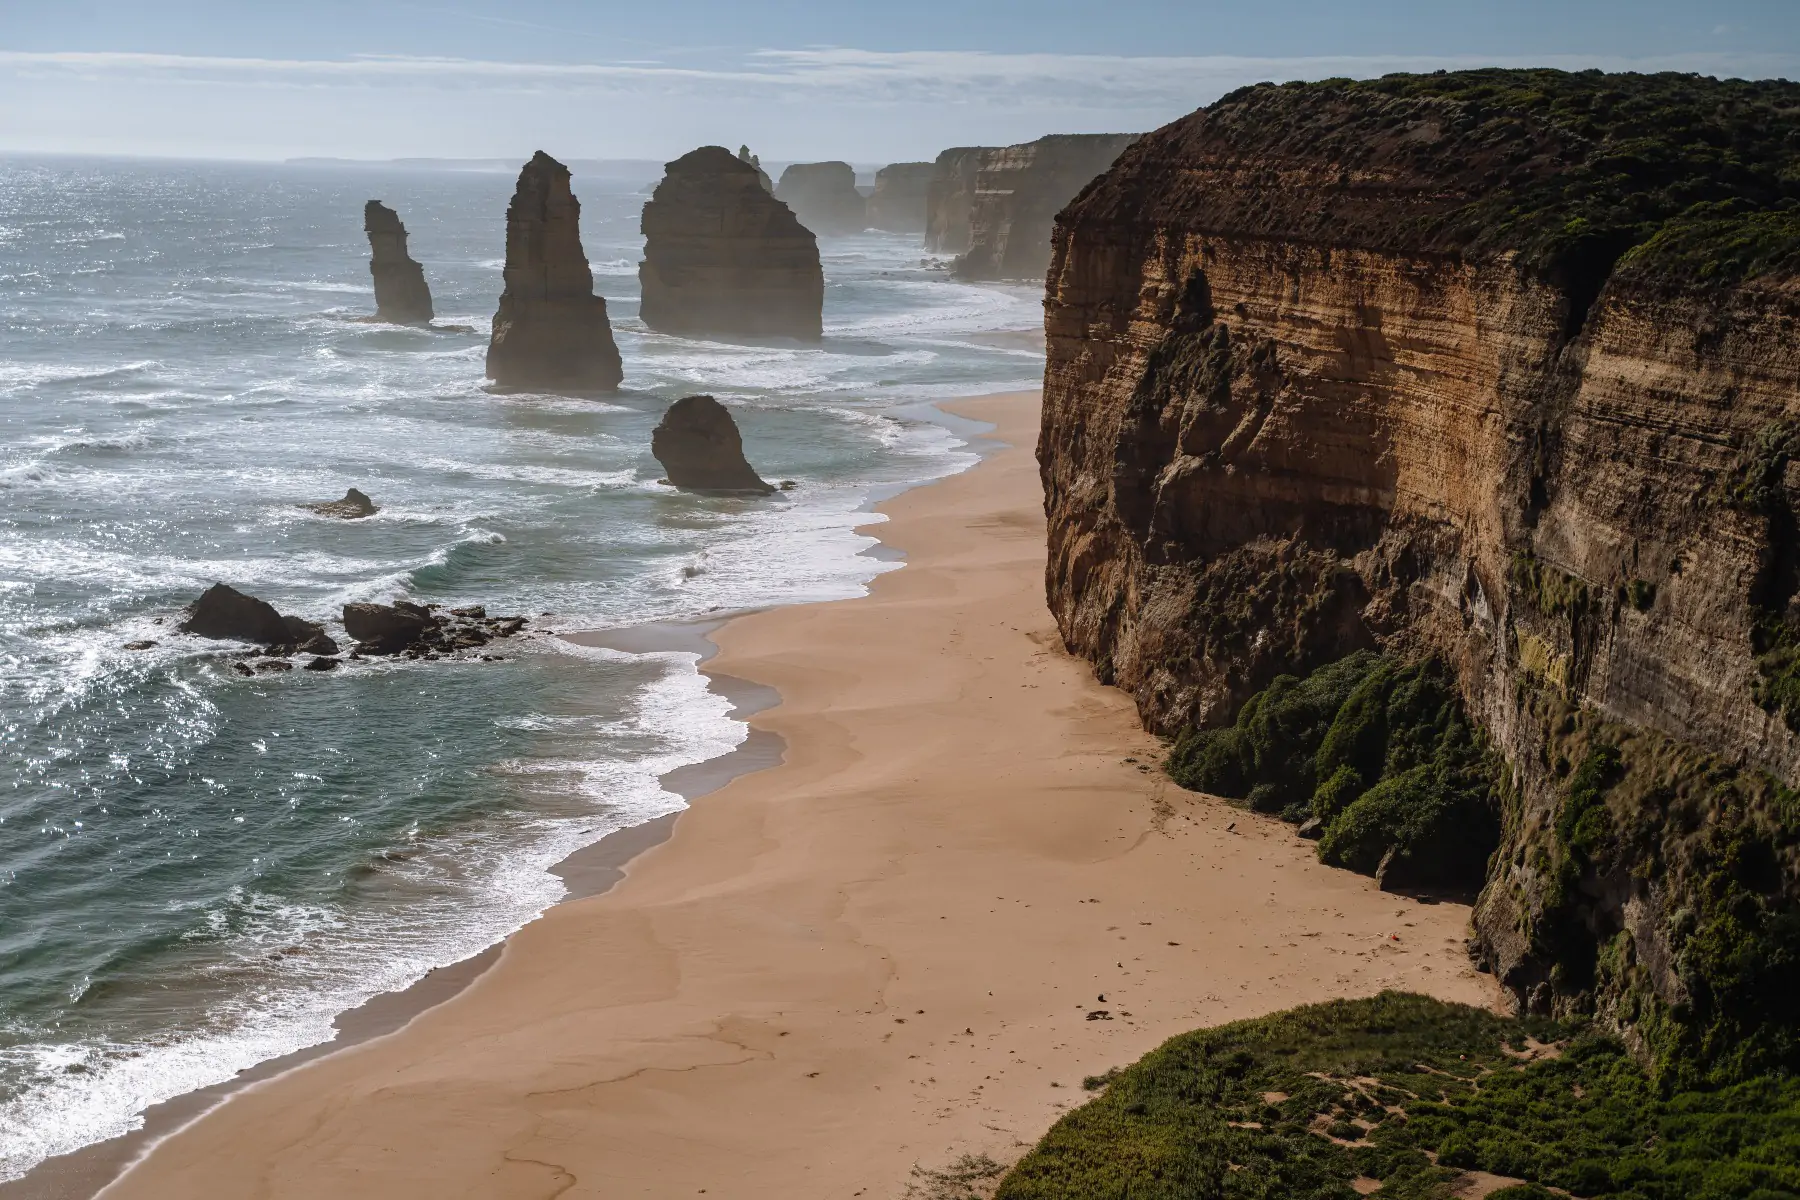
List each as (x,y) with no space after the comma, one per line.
(1680,178)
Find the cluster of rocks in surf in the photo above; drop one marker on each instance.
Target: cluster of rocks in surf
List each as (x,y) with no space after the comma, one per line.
(403,629)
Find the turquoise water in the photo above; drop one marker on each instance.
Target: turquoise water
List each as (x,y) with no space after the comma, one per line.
(198,870)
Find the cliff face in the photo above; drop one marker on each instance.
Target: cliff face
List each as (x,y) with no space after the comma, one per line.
(550,331)
(1344,366)
(400,292)
(950,199)
(1017,192)
(723,256)
(824,197)
(897,204)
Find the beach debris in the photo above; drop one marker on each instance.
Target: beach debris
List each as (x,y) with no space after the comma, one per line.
(698,444)
(353,507)
(225,614)
(425,631)
(1099,1014)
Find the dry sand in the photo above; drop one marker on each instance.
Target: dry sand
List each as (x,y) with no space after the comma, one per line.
(883,953)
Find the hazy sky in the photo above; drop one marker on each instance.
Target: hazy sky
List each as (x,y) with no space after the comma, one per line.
(867,82)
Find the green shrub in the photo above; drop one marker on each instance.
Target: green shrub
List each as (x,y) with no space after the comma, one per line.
(1380,751)
(1201,1116)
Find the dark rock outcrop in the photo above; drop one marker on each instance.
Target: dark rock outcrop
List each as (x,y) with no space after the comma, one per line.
(755,160)
(1018,191)
(224,613)
(950,199)
(823,196)
(551,331)
(1422,364)
(897,205)
(401,295)
(354,506)
(723,257)
(698,444)
(423,630)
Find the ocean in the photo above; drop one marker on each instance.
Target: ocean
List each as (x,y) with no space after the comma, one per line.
(199,870)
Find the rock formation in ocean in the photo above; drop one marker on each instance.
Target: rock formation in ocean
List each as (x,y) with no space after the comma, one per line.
(551,332)
(1498,374)
(400,292)
(950,199)
(1016,194)
(224,613)
(425,631)
(755,160)
(722,257)
(354,506)
(698,444)
(897,205)
(823,196)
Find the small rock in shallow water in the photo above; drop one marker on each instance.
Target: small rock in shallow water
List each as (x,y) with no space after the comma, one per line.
(139,645)
(274,664)
(352,507)
(322,664)
(242,668)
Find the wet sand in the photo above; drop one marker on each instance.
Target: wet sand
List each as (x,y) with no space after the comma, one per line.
(962,889)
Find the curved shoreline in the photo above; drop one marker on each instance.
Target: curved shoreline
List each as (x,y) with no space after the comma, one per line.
(768,1004)
(588,871)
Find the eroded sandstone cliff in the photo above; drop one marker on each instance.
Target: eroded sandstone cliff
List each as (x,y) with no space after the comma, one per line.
(950,199)
(550,331)
(897,204)
(1499,370)
(724,257)
(401,295)
(1016,194)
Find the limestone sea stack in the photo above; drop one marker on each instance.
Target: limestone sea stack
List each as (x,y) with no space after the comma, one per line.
(551,331)
(722,257)
(755,160)
(897,205)
(1018,190)
(698,444)
(401,295)
(824,196)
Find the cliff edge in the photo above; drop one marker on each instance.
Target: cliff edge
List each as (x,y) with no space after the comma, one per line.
(1013,194)
(1465,409)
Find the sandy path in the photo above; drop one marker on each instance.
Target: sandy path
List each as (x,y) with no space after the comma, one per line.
(882,953)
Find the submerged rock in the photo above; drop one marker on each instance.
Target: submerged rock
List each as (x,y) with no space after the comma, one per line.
(698,444)
(352,507)
(723,257)
(824,197)
(897,204)
(551,331)
(401,295)
(422,630)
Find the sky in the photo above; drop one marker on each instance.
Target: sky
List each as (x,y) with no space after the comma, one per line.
(866,82)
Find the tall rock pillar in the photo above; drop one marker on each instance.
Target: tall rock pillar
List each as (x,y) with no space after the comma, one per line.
(400,292)
(551,331)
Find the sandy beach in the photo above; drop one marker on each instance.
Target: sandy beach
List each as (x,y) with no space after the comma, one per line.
(964,888)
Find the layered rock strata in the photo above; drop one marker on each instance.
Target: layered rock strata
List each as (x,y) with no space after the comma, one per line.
(698,444)
(401,295)
(722,257)
(950,199)
(824,197)
(897,205)
(1016,194)
(551,332)
(1420,365)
